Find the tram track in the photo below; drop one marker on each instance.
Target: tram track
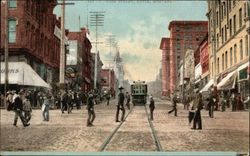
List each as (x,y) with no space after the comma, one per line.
(113,135)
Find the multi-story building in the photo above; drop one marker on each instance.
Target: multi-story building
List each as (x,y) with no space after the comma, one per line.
(31,36)
(80,56)
(183,35)
(228,41)
(99,68)
(165,47)
(108,80)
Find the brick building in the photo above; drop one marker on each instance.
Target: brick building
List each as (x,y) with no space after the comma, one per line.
(108,76)
(183,35)
(84,47)
(165,47)
(202,57)
(31,36)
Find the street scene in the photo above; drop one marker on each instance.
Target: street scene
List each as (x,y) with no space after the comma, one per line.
(125,77)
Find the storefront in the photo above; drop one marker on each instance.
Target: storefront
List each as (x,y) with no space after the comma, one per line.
(243,80)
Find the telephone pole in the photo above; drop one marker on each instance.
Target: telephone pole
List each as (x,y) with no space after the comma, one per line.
(62,46)
(6,51)
(110,43)
(97,20)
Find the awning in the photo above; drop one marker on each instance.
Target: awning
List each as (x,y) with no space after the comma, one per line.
(228,82)
(243,66)
(207,86)
(22,74)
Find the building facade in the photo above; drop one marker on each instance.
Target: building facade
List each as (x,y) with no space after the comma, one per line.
(99,68)
(228,41)
(108,80)
(183,35)
(82,58)
(31,36)
(165,47)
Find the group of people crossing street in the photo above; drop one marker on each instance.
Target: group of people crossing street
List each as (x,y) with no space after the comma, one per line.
(20,102)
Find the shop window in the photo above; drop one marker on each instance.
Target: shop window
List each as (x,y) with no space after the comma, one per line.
(12,30)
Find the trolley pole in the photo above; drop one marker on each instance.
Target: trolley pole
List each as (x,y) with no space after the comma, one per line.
(6,52)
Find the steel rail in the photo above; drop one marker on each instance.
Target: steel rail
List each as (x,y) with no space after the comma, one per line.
(156,140)
(108,139)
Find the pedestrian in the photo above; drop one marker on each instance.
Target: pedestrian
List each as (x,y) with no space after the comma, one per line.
(191,111)
(9,100)
(91,111)
(45,108)
(18,109)
(174,102)
(108,98)
(211,103)
(70,102)
(151,107)
(197,106)
(120,105)
(64,100)
(239,103)
(234,102)
(223,103)
(27,108)
(128,100)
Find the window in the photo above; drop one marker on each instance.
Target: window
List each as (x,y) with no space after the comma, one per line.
(241,50)
(234,24)
(12,31)
(240,17)
(229,5)
(190,46)
(12,3)
(222,63)
(186,46)
(247,50)
(178,55)
(230,27)
(226,60)
(186,38)
(225,33)
(178,46)
(218,65)
(218,40)
(235,54)
(178,28)
(222,35)
(217,18)
(197,37)
(245,10)
(178,37)
(231,56)
(190,38)
(234,2)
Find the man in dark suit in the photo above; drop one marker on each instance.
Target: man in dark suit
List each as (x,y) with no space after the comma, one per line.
(91,111)
(18,109)
(120,105)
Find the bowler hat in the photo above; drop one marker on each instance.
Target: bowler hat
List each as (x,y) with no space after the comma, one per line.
(121,88)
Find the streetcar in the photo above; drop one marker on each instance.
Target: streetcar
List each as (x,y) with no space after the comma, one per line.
(139,92)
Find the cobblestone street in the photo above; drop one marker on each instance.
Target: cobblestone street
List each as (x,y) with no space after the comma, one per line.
(228,131)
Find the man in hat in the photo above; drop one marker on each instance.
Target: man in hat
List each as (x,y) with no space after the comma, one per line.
(128,100)
(174,102)
(151,107)
(197,104)
(18,109)
(91,111)
(120,105)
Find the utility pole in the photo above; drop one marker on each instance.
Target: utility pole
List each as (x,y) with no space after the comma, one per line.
(6,51)
(97,20)
(214,52)
(62,46)
(109,43)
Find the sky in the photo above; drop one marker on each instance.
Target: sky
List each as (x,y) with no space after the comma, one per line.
(138,28)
